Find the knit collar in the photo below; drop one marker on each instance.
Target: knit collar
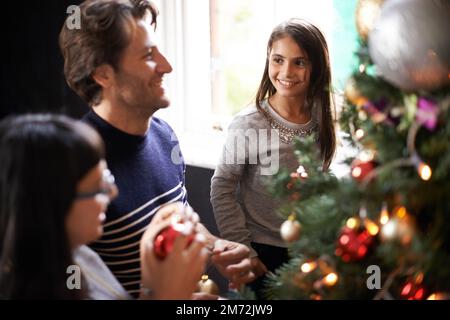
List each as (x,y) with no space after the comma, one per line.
(110,132)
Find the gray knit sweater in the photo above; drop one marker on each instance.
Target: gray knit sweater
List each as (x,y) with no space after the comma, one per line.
(245,212)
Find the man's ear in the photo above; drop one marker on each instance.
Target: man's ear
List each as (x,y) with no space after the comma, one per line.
(103,75)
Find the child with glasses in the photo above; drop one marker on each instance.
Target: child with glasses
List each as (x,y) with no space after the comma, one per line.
(54,189)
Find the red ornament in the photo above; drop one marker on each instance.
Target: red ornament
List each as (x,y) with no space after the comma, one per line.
(353,244)
(300,174)
(413,291)
(360,169)
(163,242)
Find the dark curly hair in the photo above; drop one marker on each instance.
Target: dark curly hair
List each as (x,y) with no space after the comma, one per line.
(105,32)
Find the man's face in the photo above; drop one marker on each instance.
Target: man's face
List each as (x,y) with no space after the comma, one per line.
(138,80)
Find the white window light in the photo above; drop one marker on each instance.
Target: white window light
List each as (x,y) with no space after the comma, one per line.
(203,67)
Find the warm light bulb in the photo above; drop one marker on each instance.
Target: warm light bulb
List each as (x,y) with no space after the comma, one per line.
(330,279)
(356,172)
(384,215)
(424,171)
(432,297)
(308,267)
(359,134)
(401,212)
(302,171)
(366,155)
(371,227)
(352,223)
(438,296)
(389,230)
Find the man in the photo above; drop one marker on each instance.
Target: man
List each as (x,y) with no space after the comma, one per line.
(114,64)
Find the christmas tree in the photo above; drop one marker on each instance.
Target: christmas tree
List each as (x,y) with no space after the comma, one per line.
(383,231)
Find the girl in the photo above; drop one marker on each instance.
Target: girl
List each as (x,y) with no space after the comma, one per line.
(293,100)
(54,190)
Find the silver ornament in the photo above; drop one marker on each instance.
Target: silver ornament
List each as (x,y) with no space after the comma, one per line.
(410,43)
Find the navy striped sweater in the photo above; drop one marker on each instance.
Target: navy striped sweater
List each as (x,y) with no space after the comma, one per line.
(149,172)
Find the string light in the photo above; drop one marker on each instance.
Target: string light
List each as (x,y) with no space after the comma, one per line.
(362,68)
(424,171)
(302,171)
(352,223)
(389,230)
(371,227)
(384,215)
(356,172)
(330,279)
(362,115)
(438,296)
(308,266)
(359,134)
(433,296)
(366,155)
(400,212)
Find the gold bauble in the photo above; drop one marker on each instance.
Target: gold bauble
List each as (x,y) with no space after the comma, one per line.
(290,230)
(206,285)
(367,11)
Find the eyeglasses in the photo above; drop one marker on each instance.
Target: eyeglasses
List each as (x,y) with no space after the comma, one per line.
(108,187)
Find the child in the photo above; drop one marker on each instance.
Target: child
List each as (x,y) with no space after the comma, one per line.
(293,100)
(54,190)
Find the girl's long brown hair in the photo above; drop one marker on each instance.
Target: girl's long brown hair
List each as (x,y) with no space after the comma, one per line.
(310,39)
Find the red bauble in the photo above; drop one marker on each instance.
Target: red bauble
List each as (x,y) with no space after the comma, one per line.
(360,169)
(163,242)
(413,291)
(353,244)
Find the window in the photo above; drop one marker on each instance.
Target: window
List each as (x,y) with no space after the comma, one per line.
(218,48)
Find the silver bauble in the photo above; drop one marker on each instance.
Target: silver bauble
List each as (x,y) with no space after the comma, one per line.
(410,43)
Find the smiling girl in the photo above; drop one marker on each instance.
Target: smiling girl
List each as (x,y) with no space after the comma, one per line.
(293,101)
